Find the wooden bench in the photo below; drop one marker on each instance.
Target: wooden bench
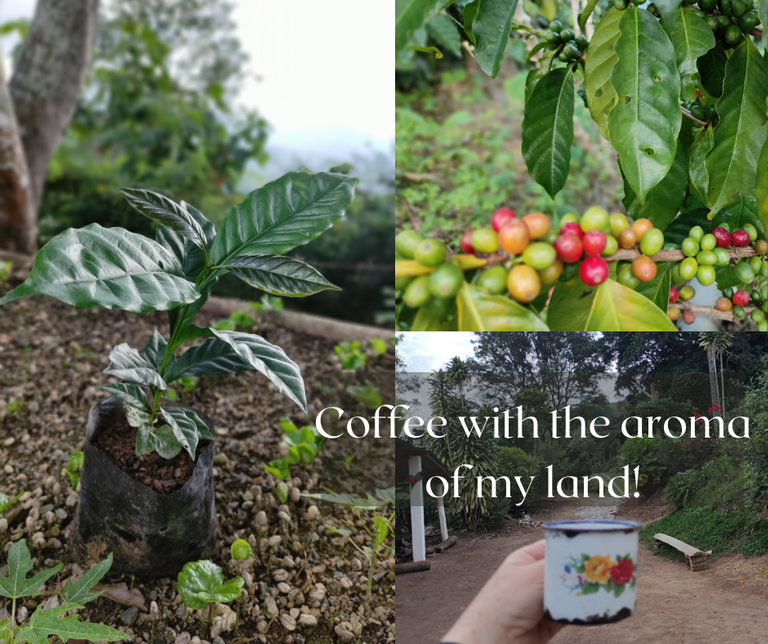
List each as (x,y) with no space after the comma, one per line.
(696,558)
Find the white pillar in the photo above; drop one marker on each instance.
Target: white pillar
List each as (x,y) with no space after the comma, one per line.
(417,511)
(441,514)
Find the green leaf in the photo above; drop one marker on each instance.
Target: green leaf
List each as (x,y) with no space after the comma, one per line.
(761,191)
(167,213)
(678,230)
(664,200)
(368,395)
(156,439)
(80,592)
(743,210)
(16,584)
(427,50)
(6,634)
(608,307)
(127,364)
(478,311)
(657,290)
(74,465)
(698,178)
(741,133)
(353,500)
(278,275)
(548,130)
(241,550)
(468,16)
(278,468)
(645,121)
(201,583)
(589,588)
(762,13)
(491,27)
(210,358)
(282,215)
(154,350)
(381,528)
(44,624)
(443,31)
(107,267)
(711,68)
(667,7)
(691,37)
(187,427)
(409,16)
(588,9)
(425,321)
(6,503)
(601,58)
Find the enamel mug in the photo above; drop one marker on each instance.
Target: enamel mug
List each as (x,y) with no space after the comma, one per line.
(590,571)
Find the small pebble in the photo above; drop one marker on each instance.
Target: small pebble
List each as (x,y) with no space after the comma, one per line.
(306,619)
(128,617)
(288,622)
(284,588)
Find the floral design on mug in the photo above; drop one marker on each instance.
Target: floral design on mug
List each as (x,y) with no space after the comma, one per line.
(591,573)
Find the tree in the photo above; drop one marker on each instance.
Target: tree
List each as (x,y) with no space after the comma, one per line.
(685,113)
(717,344)
(45,89)
(458,374)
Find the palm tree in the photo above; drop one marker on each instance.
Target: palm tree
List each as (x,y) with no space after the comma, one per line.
(441,402)
(458,374)
(717,344)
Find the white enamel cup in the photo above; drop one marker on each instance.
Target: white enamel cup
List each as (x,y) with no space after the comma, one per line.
(590,571)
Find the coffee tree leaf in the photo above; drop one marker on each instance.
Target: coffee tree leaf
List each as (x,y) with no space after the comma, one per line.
(107,267)
(478,311)
(187,427)
(167,213)
(352,500)
(16,584)
(667,8)
(692,38)
(762,13)
(285,213)
(6,503)
(409,17)
(210,358)
(609,307)
(157,439)
(127,364)
(154,350)
(279,275)
(588,9)
(657,290)
(664,200)
(743,210)
(548,130)
(46,623)
(741,133)
(601,58)
(678,230)
(761,191)
(711,68)
(80,592)
(443,31)
(644,123)
(490,27)
(468,17)
(201,583)
(132,395)
(698,177)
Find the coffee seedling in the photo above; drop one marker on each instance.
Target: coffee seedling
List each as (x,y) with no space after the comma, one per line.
(201,585)
(303,446)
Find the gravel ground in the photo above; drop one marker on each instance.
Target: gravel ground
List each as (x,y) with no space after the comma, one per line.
(305,583)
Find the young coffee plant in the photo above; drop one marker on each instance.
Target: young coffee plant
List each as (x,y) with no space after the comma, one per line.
(680,93)
(6,503)
(116,269)
(303,446)
(42,624)
(380,529)
(201,584)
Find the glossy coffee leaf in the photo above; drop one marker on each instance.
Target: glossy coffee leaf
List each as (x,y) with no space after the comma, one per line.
(698,177)
(678,230)
(645,121)
(762,13)
(158,439)
(107,267)
(548,130)
(667,8)
(201,583)
(442,30)
(46,623)
(16,584)
(131,395)
(285,213)
(154,350)
(761,192)
(609,307)
(741,133)
(191,257)
(601,58)
(128,365)
(691,37)
(213,357)
(478,311)
(711,68)
(166,213)
(409,17)
(491,27)
(664,200)
(279,275)
(188,428)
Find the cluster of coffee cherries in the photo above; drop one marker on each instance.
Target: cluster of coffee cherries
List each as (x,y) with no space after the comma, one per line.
(730,20)
(569,46)
(700,112)
(706,252)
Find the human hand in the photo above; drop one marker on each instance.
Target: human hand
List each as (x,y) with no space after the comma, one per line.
(509,609)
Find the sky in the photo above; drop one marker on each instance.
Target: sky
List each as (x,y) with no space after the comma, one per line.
(321,73)
(431,350)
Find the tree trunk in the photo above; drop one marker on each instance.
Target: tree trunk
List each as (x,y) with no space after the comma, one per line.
(46,82)
(712,376)
(18,229)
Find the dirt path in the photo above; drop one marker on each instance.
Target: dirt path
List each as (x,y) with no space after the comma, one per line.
(725,603)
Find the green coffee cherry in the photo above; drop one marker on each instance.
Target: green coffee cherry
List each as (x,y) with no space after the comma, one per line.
(446,280)
(706,258)
(417,292)
(705,275)
(696,233)
(708,242)
(406,243)
(688,268)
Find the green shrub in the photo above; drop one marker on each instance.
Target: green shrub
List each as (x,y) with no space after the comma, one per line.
(682,488)
(755,406)
(646,453)
(515,462)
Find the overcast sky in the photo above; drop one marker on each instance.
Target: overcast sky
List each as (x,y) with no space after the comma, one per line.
(325,70)
(431,350)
